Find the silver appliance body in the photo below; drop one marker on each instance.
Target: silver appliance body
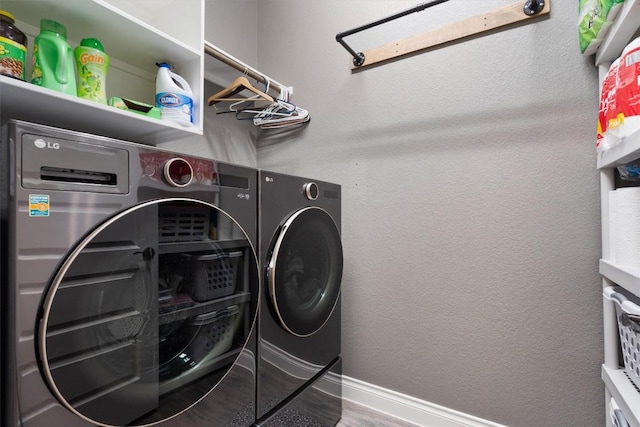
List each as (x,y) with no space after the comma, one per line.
(299,363)
(130,284)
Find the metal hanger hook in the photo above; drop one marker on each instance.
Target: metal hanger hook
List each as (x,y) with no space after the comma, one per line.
(532,7)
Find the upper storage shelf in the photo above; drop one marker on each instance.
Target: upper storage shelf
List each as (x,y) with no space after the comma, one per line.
(136,35)
(628,278)
(621,32)
(625,152)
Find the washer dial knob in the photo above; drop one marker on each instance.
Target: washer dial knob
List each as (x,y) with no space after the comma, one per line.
(178,172)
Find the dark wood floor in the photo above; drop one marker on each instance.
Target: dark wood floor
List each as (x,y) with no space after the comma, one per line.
(314,408)
(354,415)
(318,408)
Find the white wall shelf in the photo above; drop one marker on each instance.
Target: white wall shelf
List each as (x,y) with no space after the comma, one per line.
(134,47)
(618,385)
(628,278)
(624,393)
(620,33)
(24,101)
(624,152)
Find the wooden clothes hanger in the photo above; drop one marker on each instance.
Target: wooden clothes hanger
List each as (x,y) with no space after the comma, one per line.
(238,85)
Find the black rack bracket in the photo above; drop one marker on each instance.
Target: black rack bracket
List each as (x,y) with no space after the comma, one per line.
(533,7)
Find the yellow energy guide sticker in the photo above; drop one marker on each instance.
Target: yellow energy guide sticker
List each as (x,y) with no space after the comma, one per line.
(39,205)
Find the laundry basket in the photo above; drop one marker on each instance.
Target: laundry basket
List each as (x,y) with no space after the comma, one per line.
(628,317)
(213,333)
(183,223)
(187,343)
(617,416)
(210,276)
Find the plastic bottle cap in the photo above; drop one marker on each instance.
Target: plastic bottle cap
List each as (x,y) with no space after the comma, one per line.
(8,15)
(92,43)
(54,26)
(163,65)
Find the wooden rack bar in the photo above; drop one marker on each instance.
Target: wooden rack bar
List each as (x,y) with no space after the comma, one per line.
(496,18)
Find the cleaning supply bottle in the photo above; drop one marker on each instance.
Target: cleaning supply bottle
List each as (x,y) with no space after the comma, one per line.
(174,97)
(92,65)
(53,65)
(13,47)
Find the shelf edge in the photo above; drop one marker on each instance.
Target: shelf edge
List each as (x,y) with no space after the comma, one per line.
(62,110)
(626,151)
(620,33)
(622,390)
(624,277)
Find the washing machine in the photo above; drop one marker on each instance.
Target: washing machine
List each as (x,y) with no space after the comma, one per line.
(130,284)
(299,361)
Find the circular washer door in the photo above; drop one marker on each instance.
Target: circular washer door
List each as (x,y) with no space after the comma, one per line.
(305,271)
(148,313)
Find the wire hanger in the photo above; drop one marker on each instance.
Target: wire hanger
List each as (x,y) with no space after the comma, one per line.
(281,113)
(238,85)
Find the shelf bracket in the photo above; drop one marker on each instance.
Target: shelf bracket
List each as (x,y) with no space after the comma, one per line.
(491,20)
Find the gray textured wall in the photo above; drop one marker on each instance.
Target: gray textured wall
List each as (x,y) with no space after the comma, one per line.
(470,203)
(231,26)
(224,138)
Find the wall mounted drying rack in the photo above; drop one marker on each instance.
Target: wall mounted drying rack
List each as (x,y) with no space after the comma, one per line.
(279,113)
(233,62)
(477,24)
(359,57)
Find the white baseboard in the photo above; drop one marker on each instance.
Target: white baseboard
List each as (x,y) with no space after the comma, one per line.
(407,408)
(387,401)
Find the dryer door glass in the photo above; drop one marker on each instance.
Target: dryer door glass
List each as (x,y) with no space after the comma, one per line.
(305,271)
(148,313)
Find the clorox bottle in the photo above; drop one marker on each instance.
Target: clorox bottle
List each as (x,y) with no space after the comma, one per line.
(174,97)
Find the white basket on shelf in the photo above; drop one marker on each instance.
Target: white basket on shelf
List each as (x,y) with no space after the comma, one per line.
(628,317)
(617,416)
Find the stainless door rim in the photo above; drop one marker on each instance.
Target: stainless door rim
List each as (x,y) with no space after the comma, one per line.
(273,260)
(51,292)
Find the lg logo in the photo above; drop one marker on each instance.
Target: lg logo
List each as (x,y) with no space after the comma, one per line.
(41,143)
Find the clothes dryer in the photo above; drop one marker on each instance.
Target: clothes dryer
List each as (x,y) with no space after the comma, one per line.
(130,284)
(299,363)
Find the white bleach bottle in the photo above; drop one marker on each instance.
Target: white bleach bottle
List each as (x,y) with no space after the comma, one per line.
(174,97)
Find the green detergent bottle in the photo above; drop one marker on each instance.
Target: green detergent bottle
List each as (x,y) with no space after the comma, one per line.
(53,63)
(92,65)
